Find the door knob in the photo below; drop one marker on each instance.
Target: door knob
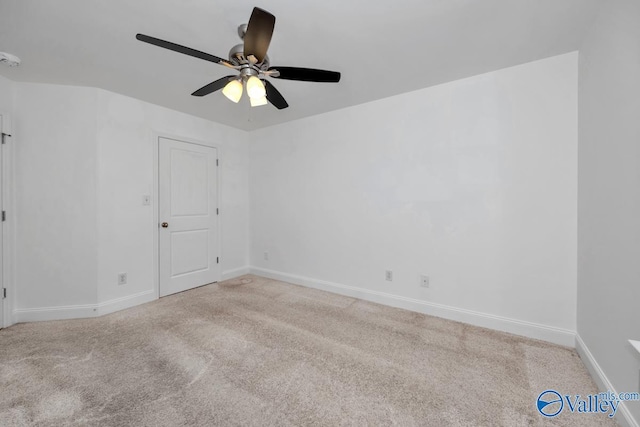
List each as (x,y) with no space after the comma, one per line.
(165,224)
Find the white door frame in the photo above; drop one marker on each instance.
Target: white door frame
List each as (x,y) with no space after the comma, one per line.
(7,204)
(156,206)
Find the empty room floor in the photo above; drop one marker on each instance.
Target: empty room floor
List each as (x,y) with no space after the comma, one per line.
(254,351)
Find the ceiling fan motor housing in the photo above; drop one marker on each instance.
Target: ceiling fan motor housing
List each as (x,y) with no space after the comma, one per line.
(248,71)
(236,57)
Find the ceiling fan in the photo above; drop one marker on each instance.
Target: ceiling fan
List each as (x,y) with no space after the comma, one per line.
(251,60)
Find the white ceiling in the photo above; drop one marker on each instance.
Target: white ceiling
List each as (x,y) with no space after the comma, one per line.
(381,48)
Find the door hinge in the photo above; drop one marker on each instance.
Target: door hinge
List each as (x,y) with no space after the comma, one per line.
(217,211)
(217,162)
(4,215)
(217,260)
(3,141)
(4,293)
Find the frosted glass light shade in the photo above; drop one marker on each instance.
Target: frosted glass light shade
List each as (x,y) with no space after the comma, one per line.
(256,102)
(255,88)
(233,90)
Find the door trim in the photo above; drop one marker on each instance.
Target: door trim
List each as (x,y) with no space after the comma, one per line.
(154,202)
(7,279)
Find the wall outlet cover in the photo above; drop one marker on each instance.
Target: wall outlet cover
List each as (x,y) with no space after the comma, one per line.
(424,281)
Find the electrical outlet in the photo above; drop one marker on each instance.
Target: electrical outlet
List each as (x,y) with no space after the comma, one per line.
(266,256)
(388,275)
(424,281)
(122,278)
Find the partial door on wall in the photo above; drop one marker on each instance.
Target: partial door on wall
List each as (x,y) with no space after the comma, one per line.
(2,230)
(7,284)
(187,214)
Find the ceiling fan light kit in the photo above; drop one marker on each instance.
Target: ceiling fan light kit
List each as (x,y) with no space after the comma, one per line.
(252,63)
(257,102)
(255,88)
(233,90)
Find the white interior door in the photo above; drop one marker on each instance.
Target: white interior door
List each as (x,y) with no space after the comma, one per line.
(187,203)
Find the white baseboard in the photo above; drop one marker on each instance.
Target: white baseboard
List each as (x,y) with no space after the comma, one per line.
(41,314)
(623,416)
(518,327)
(236,272)
(128,301)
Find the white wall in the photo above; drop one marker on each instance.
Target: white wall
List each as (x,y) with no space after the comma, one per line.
(126,129)
(471,182)
(56,195)
(6,95)
(84,159)
(609,194)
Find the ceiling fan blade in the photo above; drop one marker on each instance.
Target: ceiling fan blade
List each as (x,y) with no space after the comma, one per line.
(259,32)
(306,74)
(274,97)
(213,86)
(183,49)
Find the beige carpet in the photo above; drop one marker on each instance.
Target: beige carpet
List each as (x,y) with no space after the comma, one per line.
(253,351)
